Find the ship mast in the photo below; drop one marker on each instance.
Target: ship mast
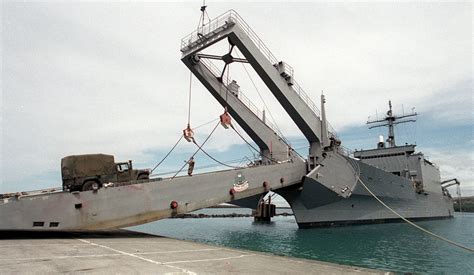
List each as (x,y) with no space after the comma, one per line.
(391,120)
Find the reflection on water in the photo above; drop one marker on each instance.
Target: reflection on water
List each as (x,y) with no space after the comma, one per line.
(394,247)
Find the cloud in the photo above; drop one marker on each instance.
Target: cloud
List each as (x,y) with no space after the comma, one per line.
(455,164)
(106,77)
(361,55)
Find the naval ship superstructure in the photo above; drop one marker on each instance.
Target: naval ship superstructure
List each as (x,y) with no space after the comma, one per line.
(324,188)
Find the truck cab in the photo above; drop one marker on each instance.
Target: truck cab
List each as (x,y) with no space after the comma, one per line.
(92,171)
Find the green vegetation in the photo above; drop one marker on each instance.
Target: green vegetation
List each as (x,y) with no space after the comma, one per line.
(467,204)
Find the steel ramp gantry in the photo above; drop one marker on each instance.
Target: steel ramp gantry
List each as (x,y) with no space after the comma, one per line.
(133,204)
(277,75)
(326,165)
(272,145)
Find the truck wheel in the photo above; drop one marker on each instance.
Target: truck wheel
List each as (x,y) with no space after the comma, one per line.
(143,177)
(90,185)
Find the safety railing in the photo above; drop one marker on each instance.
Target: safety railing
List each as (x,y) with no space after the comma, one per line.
(298,90)
(207,29)
(243,98)
(346,151)
(31,193)
(232,17)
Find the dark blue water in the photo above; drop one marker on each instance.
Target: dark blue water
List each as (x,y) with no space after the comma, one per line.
(392,247)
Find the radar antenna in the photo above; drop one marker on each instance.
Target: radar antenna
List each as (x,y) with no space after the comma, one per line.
(391,120)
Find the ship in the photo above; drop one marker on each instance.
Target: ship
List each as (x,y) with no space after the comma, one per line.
(330,186)
(401,177)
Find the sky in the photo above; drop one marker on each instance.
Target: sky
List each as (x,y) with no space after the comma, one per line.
(85,77)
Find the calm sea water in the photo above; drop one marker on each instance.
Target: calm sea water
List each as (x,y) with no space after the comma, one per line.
(393,247)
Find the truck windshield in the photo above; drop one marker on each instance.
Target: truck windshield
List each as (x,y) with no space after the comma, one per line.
(122,167)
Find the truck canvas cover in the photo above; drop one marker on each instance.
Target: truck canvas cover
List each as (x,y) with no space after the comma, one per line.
(87,165)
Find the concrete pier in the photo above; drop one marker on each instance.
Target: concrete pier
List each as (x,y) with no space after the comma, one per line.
(130,252)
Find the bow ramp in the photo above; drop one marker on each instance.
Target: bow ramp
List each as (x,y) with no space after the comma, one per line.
(142,202)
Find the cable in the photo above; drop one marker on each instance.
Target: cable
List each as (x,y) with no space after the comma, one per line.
(270,159)
(189,99)
(230,166)
(240,160)
(207,138)
(251,146)
(248,146)
(176,144)
(302,147)
(413,224)
(261,98)
(240,135)
(207,123)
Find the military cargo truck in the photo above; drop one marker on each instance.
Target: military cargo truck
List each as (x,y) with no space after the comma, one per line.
(92,171)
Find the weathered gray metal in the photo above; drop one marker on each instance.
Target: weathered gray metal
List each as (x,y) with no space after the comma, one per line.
(272,146)
(315,206)
(279,78)
(137,203)
(332,178)
(277,75)
(405,180)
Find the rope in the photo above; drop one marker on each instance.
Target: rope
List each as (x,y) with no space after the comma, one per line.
(261,98)
(207,138)
(240,135)
(240,160)
(248,143)
(189,99)
(207,123)
(176,144)
(230,166)
(228,70)
(249,146)
(415,225)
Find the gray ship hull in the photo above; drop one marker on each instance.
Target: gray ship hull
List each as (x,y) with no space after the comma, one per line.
(311,207)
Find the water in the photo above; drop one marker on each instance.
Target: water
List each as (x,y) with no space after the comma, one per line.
(393,247)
